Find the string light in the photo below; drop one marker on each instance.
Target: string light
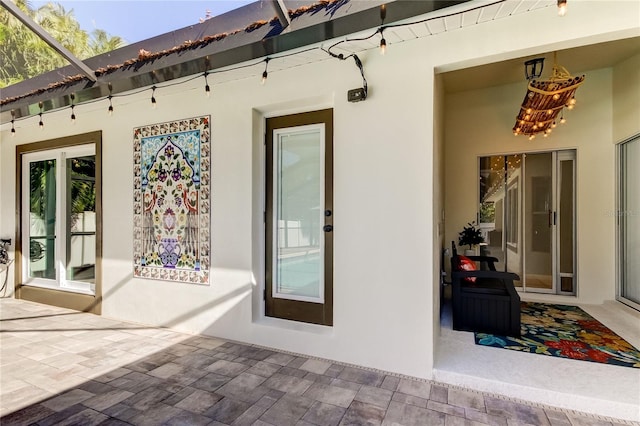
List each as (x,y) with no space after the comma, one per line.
(265,74)
(110,97)
(562,7)
(383,42)
(207,89)
(153,98)
(73,114)
(266,61)
(41,123)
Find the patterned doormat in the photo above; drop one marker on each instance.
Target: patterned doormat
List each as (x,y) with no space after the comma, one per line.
(567,332)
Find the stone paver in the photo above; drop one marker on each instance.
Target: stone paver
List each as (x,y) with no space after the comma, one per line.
(93,370)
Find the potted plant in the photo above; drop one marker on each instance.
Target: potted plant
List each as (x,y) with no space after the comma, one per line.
(470,236)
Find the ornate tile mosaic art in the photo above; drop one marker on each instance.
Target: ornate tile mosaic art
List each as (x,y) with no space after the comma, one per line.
(171,201)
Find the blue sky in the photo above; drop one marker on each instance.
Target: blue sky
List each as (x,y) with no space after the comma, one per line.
(136,20)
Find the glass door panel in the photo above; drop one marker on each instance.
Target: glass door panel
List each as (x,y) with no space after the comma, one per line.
(629,222)
(42,220)
(81,219)
(299,172)
(565,222)
(527,217)
(539,221)
(500,208)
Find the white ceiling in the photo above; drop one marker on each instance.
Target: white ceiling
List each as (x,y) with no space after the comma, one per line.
(577,61)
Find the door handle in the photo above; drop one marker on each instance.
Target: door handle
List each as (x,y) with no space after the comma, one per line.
(327,228)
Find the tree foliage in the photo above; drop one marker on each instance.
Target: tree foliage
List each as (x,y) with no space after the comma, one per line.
(24,55)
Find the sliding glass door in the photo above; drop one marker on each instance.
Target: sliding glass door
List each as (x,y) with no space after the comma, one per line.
(628,220)
(527,217)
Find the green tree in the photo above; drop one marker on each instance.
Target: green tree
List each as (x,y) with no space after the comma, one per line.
(24,55)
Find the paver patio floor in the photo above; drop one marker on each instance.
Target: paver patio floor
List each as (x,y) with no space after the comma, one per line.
(64,367)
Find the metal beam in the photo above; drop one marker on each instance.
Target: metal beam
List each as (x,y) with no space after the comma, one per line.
(46,37)
(282,12)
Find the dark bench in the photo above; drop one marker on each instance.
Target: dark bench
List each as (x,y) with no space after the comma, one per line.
(491,304)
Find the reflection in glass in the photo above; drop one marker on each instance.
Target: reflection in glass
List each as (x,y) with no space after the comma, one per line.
(81,219)
(42,219)
(299,195)
(500,209)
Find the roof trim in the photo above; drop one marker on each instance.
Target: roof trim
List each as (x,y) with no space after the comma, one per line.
(257,40)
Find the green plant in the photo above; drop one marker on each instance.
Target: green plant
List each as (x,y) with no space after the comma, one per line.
(470,236)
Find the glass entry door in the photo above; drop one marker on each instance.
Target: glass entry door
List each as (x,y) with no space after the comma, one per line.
(629,223)
(299,218)
(527,217)
(59,219)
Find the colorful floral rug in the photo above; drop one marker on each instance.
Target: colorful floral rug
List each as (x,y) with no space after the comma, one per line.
(566,332)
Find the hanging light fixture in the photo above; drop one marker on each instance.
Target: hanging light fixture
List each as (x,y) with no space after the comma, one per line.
(533,68)
(545,99)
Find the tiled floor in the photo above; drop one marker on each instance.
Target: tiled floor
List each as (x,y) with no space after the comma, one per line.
(607,390)
(63,367)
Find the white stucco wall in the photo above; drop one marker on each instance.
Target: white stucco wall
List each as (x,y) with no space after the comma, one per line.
(385,271)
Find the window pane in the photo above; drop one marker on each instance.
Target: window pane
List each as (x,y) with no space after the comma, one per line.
(42,219)
(299,213)
(81,219)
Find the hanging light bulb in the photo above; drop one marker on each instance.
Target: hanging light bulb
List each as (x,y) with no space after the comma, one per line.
(207,89)
(556,97)
(383,41)
(532,137)
(41,123)
(110,97)
(265,74)
(562,120)
(562,7)
(553,125)
(73,113)
(153,98)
